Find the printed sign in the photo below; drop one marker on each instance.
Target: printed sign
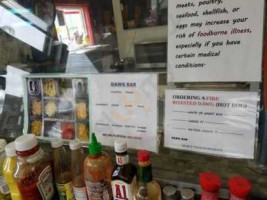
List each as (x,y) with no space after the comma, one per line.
(215,40)
(125,106)
(218,123)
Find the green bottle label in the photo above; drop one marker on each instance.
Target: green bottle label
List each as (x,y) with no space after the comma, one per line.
(145,174)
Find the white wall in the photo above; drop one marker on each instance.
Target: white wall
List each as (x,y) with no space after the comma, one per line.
(127,38)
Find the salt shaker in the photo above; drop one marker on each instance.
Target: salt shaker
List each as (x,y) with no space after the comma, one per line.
(170,193)
(187,194)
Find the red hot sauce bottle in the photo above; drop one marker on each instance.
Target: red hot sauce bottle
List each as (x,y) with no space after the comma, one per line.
(240,188)
(210,184)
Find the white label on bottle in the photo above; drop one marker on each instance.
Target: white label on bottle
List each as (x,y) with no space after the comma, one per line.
(35,157)
(80,193)
(4,189)
(122,160)
(122,190)
(45,183)
(99,190)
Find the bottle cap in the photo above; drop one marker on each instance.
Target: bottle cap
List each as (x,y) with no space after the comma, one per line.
(26,142)
(210,182)
(170,192)
(10,150)
(57,143)
(143,156)
(120,146)
(240,187)
(187,194)
(2,145)
(74,145)
(95,147)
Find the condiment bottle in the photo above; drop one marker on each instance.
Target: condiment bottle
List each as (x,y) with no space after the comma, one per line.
(210,184)
(240,188)
(187,194)
(8,168)
(97,172)
(124,174)
(4,189)
(33,172)
(170,193)
(146,188)
(77,174)
(62,170)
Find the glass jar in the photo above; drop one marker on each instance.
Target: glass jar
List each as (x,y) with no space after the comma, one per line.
(33,172)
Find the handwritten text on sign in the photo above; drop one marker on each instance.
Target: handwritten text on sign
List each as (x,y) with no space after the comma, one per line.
(215,40)
(219,123)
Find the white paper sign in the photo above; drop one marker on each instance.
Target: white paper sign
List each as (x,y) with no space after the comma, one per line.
(215,40)
(218,123)
(125,106)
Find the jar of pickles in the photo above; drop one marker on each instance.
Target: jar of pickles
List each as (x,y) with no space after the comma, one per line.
(33,172)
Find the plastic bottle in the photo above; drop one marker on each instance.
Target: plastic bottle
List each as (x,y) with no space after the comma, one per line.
(8,168)
(97,172)
(33,172)
(4,189)
(77,174)
(62,170)
(240,188)
(147,188)
(210,184)
(124,173)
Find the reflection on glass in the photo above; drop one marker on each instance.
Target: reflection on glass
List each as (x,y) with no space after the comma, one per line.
(143,13)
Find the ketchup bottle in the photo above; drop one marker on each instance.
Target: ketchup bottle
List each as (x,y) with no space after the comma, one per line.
(210,184)
(33,171)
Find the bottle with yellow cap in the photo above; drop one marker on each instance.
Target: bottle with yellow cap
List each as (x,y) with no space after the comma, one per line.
(8,169)
(4,189)
(97,172)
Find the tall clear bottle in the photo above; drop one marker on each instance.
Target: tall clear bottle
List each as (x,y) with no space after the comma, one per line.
(77,159)
(124,174)
(146,188)
(97,172)
(62,170)
(8,169)
(4,189)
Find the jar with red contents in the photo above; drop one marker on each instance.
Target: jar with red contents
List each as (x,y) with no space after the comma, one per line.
(240,188)
(210,184)
(33,172)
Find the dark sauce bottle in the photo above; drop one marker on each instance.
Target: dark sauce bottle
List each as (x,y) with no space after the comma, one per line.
(124,174)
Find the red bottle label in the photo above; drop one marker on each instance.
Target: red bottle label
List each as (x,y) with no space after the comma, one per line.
(42,189)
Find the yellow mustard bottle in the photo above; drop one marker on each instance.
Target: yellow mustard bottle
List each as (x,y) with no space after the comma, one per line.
(4,189)
(8,169)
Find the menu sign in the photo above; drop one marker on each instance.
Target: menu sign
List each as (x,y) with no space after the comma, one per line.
(56,106)
(125,106)
(215,40)
(217,123)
